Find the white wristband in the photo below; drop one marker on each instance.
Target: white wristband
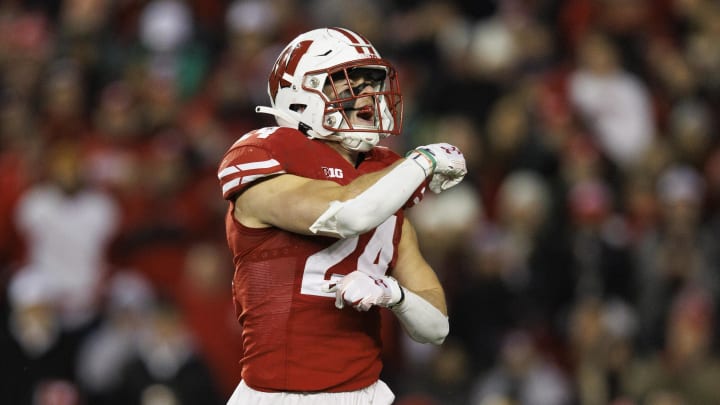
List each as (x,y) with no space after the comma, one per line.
(423,159)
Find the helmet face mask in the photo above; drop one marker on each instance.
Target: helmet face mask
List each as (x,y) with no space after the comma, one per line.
(332,84)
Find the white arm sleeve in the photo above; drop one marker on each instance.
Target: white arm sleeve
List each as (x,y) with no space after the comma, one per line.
(374,205)
(420,319)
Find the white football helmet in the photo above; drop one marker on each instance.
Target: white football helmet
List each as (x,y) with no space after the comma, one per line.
(331,83)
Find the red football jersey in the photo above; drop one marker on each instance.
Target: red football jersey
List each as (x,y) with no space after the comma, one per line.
(294,338)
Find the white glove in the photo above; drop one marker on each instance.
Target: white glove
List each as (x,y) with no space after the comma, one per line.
(444,161)
(362,291)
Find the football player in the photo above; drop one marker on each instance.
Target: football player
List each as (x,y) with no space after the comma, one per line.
(317,229)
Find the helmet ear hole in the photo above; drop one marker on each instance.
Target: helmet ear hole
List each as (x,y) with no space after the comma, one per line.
(298,107)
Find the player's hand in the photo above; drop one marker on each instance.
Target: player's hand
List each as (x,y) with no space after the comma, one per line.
(446,163)
(362,291)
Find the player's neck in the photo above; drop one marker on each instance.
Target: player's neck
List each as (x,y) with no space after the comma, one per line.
(350,156)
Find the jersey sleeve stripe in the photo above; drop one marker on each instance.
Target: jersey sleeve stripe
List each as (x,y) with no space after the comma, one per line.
(251,178)
(259,165)
(227,171)
(230,185)
(265,164)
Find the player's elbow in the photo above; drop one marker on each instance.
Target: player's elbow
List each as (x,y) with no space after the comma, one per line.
(434,334)
(350,218)
(356,219)
(422,321)
(441,333)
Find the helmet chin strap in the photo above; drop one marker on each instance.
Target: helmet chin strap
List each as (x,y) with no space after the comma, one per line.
(283,115)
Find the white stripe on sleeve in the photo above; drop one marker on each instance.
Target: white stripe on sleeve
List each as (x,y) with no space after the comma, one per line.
(248,166)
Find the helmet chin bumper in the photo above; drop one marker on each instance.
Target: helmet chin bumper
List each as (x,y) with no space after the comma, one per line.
(359,141)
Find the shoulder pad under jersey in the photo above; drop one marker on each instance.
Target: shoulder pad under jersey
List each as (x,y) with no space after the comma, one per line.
(255,156)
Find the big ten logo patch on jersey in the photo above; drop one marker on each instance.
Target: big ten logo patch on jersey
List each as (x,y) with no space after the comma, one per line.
(332,172)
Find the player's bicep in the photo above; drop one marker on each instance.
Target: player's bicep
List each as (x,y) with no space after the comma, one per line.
(414,273)
(285,201)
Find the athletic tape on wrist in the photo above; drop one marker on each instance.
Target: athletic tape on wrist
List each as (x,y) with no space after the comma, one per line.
(424,159)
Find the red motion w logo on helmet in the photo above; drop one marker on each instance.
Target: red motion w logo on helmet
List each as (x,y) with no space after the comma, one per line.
(286,63)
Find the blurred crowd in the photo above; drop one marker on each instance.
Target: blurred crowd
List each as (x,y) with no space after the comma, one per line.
(580,256)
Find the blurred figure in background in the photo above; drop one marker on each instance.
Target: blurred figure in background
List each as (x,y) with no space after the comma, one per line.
(613,103)
(601,334)
(64,103)
(67,226)
(128,301)
(168,50)
(237,82)
(166,366)
(523,376)
(677,254)
(20,149)
(38,353)
(602,264)
(686,366)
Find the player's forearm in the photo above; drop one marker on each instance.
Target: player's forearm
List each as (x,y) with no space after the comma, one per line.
(422,318)
(362,183)
(421,315)
(381,196)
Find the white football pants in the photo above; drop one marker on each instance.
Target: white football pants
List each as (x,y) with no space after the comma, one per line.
(376,394)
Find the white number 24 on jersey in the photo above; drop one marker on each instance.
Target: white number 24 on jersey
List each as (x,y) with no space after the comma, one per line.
(379,247)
